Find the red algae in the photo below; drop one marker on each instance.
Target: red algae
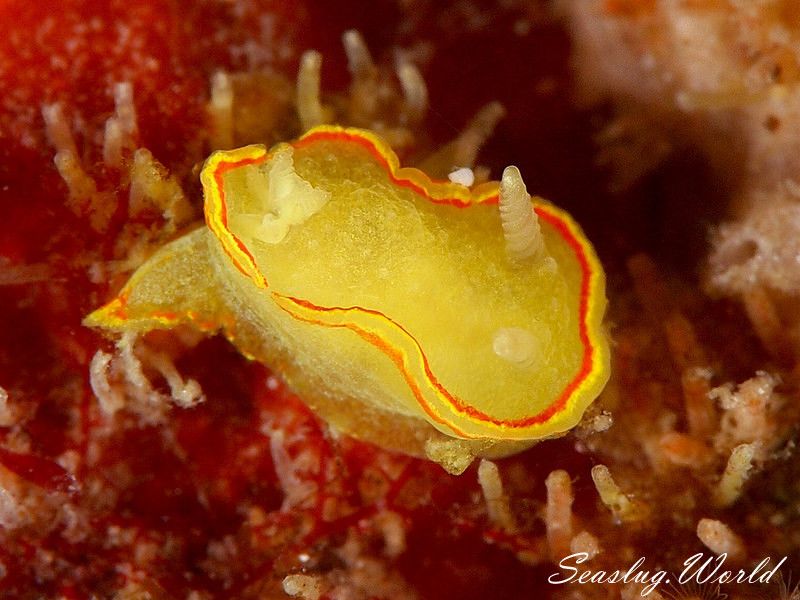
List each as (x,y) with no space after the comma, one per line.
(42,472)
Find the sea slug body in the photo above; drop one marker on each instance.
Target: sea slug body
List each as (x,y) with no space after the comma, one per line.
(424,316)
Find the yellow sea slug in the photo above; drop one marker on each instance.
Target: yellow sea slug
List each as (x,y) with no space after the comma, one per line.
(423,316)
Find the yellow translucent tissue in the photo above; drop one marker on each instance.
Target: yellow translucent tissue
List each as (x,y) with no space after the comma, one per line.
(422,316)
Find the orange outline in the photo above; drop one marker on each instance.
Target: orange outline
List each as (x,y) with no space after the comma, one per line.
(115,314)
(594,356)
(216,210)
(395,355)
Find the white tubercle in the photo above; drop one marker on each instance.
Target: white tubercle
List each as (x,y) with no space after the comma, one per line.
(463,175)
(516,345)
(524,240)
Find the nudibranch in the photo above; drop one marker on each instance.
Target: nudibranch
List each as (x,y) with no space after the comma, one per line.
(421,315)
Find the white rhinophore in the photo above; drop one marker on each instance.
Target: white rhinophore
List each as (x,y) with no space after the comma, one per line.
(523,235)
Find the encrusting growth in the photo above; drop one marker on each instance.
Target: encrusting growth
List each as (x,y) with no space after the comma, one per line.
(80,185)
(623,507)
(462,152)
(364,86)
(474,136)
(220,111)
(122,129)
(721,539)
(497,503)
(558,513)
(309,106)
(151,186)
(57,129)
(737,471)
(415,92)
